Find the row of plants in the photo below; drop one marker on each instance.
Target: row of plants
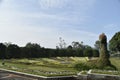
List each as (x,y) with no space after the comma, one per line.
(110,72)
(88,66)
(48,72)
(47,68)
(55,67)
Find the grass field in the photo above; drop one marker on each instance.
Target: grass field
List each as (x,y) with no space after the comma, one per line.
(57,66)
(45,66)
(116,62)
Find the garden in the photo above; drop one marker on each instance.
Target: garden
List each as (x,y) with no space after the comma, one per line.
(56,66)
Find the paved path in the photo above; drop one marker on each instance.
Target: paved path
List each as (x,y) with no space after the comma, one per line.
(8,76)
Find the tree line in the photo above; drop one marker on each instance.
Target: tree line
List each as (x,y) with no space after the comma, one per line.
(34,50)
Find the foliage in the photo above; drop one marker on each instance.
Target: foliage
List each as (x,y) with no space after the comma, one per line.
(13,51)
(104,55)
(2,51)
(77,45)
(82,66)
(61,44)
(114,43)
(34,50)
(56,66)
(115,61)
(110,72)
(95,53)
(97,44)
(88,52)
(91,65)
(87,65)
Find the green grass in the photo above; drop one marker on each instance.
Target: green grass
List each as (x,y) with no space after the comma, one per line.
(57,66)
(115,62)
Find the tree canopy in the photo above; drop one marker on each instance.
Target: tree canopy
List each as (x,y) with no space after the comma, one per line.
(34,50)
(114,43)
(104,55)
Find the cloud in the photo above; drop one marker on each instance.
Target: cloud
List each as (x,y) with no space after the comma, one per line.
(111,26)
(23,34)
(65,3)
(45,25)
(70,11)
(52,3)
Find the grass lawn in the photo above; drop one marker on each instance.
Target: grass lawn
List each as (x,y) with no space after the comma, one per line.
(116,62)
(58,66)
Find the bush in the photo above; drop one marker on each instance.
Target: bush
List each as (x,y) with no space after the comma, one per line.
(82,66)
(109,68)
(93,65)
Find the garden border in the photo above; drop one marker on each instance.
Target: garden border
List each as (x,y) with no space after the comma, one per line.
(40,77)
(89,76)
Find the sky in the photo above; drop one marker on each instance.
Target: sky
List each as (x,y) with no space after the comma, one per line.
(44,21)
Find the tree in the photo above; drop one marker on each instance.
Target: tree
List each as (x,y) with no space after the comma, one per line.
(79,52)
(104,55)
(114,43)
(95,53)
(2,51)
(61,44)
(69,51)
(97,44)
(13,51)
(77,45)
(88,52)
(32,45)
(33,50)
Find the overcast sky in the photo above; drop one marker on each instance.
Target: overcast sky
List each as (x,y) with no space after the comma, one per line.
(44,21)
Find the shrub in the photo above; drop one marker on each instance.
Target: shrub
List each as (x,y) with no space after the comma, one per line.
(82,66)
(104,55)
(109,68)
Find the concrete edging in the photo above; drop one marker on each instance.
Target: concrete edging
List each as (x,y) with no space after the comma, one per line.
(39,77)
(89,76)
(95,76)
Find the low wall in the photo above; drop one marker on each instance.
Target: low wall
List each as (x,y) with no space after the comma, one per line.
(82,77)
(102,77)
(36,77)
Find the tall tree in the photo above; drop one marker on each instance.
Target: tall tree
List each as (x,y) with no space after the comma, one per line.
(77,45)
(95,53)
(97,44)
(13,51)
(33,49)
(88,52)
(104,55)
(61,44)
(2,51)
(114,43)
